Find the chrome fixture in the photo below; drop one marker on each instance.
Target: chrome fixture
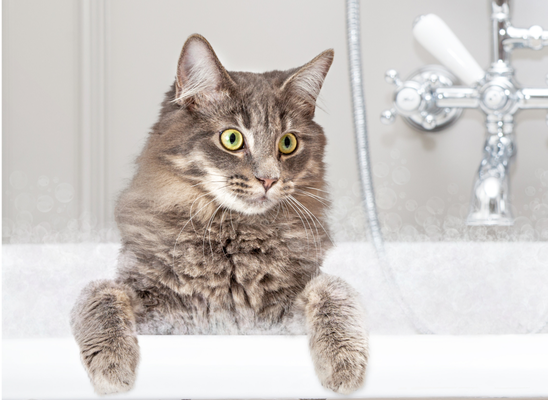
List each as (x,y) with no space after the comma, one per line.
(430,100)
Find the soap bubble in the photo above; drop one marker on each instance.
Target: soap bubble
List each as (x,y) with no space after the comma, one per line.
(530,191)
(540,210)
(342,183)
(72,225)
(40,232)
(18,179)
(408,233)
(7,227)
(381,169)
(457,210)
(422,215)
(523,228)
(43,181)
(402,195)
(411,205)
(24,218)
(88,221)
(64,192)
(451,234)
(538,172)
(542,228)
(528,234)
(502,234)
(392,222)
(534,203)
(477,233)
(386,198)
(356,189)
(435,205)
(544,178)
(452,188)
(452,222)
(433,232)
(44,203)
(432,221)
(24,202)
(545,198)
(401,175)
(521,224)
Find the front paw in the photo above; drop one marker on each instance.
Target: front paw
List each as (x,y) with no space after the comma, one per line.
(112,367)
(341,366)
(337,336)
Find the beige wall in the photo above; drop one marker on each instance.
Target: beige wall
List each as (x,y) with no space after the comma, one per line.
(83,81)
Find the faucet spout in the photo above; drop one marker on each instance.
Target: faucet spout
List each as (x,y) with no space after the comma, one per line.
(490,204)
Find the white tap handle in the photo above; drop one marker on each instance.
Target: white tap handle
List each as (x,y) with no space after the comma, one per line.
(441,42)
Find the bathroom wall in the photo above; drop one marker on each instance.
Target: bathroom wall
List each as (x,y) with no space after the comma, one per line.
(83,81)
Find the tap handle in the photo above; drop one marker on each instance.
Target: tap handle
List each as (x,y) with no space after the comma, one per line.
(441,42)
(388,116)
(392,76)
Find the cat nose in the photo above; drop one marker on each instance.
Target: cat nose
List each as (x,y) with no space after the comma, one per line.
(267,183)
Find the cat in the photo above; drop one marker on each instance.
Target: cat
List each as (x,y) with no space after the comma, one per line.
(223,227)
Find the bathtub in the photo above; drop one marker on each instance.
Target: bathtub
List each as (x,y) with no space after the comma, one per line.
(451,287)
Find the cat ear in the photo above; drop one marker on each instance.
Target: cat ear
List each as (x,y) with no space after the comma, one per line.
(306,82)
(200,74)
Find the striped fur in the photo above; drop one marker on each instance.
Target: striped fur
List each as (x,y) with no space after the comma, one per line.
(205,248)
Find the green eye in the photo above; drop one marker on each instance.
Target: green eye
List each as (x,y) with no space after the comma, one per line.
(232,139)
(288,143)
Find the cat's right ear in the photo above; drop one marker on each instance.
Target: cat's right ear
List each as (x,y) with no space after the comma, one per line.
(200,75)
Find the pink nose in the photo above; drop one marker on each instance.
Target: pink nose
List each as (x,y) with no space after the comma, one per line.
(267,183)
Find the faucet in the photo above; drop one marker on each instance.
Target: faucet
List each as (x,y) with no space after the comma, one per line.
(431,100)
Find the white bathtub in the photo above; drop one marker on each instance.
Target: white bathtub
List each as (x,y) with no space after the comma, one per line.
(279,367)
(500,280)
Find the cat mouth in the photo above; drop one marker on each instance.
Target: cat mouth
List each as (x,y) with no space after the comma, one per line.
(250,205)
(259,200)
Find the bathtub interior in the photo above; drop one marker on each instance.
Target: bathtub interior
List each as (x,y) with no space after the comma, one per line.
(441,274)
(456,288)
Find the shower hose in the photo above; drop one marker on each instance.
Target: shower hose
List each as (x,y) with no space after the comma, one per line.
(362,146)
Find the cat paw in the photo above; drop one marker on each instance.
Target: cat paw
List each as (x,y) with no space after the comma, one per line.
(113,370)
(342,371)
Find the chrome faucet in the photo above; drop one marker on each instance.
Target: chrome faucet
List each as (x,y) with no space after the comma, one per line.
(430,100)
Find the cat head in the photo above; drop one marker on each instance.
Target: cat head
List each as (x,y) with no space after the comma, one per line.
(247,140)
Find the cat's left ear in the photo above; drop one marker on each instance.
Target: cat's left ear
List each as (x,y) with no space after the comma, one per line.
(200,75)
(305,84)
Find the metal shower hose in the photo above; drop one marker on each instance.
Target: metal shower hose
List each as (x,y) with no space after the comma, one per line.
(360,128)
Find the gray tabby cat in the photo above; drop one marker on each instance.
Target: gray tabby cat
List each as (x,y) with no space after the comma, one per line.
(223,227)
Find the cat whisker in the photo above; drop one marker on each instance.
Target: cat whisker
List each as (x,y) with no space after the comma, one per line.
(303,210)
(191,218)
(285,210)
(276,217)
(221,231)
(320,190)
(201,183)
(317,219)
(208,230)
(302,221)
(199,197)
(231,223)
(319,199)
(298,203)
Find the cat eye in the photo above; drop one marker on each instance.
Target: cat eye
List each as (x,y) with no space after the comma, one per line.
(232,139)
(288,143)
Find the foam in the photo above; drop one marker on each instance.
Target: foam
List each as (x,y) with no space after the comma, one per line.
(452,287)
